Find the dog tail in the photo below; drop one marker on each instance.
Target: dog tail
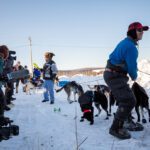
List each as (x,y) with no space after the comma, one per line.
(58,90)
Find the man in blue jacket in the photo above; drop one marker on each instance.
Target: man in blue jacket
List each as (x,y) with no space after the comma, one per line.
(123,61)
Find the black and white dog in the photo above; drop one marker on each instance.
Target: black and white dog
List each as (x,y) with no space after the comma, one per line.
(100,98)
(141,101)
(103,88)
(69,88)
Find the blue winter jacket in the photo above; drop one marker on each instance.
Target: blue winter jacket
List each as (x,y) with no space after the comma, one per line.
(125,55)
(36,73)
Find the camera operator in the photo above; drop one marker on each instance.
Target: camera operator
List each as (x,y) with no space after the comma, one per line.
(6,127)
(4,53)
(9,91)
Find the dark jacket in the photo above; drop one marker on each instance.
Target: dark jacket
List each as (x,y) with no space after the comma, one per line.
(50,70)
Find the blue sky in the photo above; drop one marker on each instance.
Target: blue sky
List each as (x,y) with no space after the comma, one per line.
(82,33)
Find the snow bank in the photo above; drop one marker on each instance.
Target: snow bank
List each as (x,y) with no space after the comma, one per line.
(143,78)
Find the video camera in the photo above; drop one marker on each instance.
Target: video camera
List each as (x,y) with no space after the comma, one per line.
(12,53)
(8,66)
(7,131)
(9,62)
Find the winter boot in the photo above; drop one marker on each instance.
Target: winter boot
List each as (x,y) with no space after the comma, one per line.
(118,131)
(52,102)
(132,126)
(45,100)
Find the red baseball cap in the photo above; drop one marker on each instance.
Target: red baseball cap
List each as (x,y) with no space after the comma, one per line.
(137,25)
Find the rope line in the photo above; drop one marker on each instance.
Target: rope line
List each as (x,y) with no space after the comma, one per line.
(144,72)
(102,78)
(90,81)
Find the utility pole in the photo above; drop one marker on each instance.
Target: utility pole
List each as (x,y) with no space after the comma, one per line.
(31,60)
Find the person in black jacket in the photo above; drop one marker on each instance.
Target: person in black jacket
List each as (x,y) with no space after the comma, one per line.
(49,74)
(4,53)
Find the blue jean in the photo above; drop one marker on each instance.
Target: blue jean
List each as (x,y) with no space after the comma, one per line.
(49,87)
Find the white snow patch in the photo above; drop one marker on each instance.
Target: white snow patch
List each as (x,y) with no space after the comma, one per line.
(42,128)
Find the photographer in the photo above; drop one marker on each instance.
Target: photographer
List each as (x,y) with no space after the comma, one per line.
(9,91)
(6,128)
(4,53)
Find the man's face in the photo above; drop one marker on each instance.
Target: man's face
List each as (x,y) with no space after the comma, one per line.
(139,33)
(47,59)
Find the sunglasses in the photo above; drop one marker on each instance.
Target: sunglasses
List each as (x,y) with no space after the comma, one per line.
(140,30)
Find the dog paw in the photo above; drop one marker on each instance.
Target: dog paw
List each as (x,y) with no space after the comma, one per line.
(106,118)
(91,123)
(144,121)
(81,120)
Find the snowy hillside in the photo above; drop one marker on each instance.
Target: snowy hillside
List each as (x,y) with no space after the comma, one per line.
(144,79)
(42,128)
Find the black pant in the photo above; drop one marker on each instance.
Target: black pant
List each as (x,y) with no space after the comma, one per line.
(121,91)
(17,82)
(2,102)
(9,91)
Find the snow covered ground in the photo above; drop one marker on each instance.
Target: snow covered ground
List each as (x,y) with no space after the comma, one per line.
(41,128)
